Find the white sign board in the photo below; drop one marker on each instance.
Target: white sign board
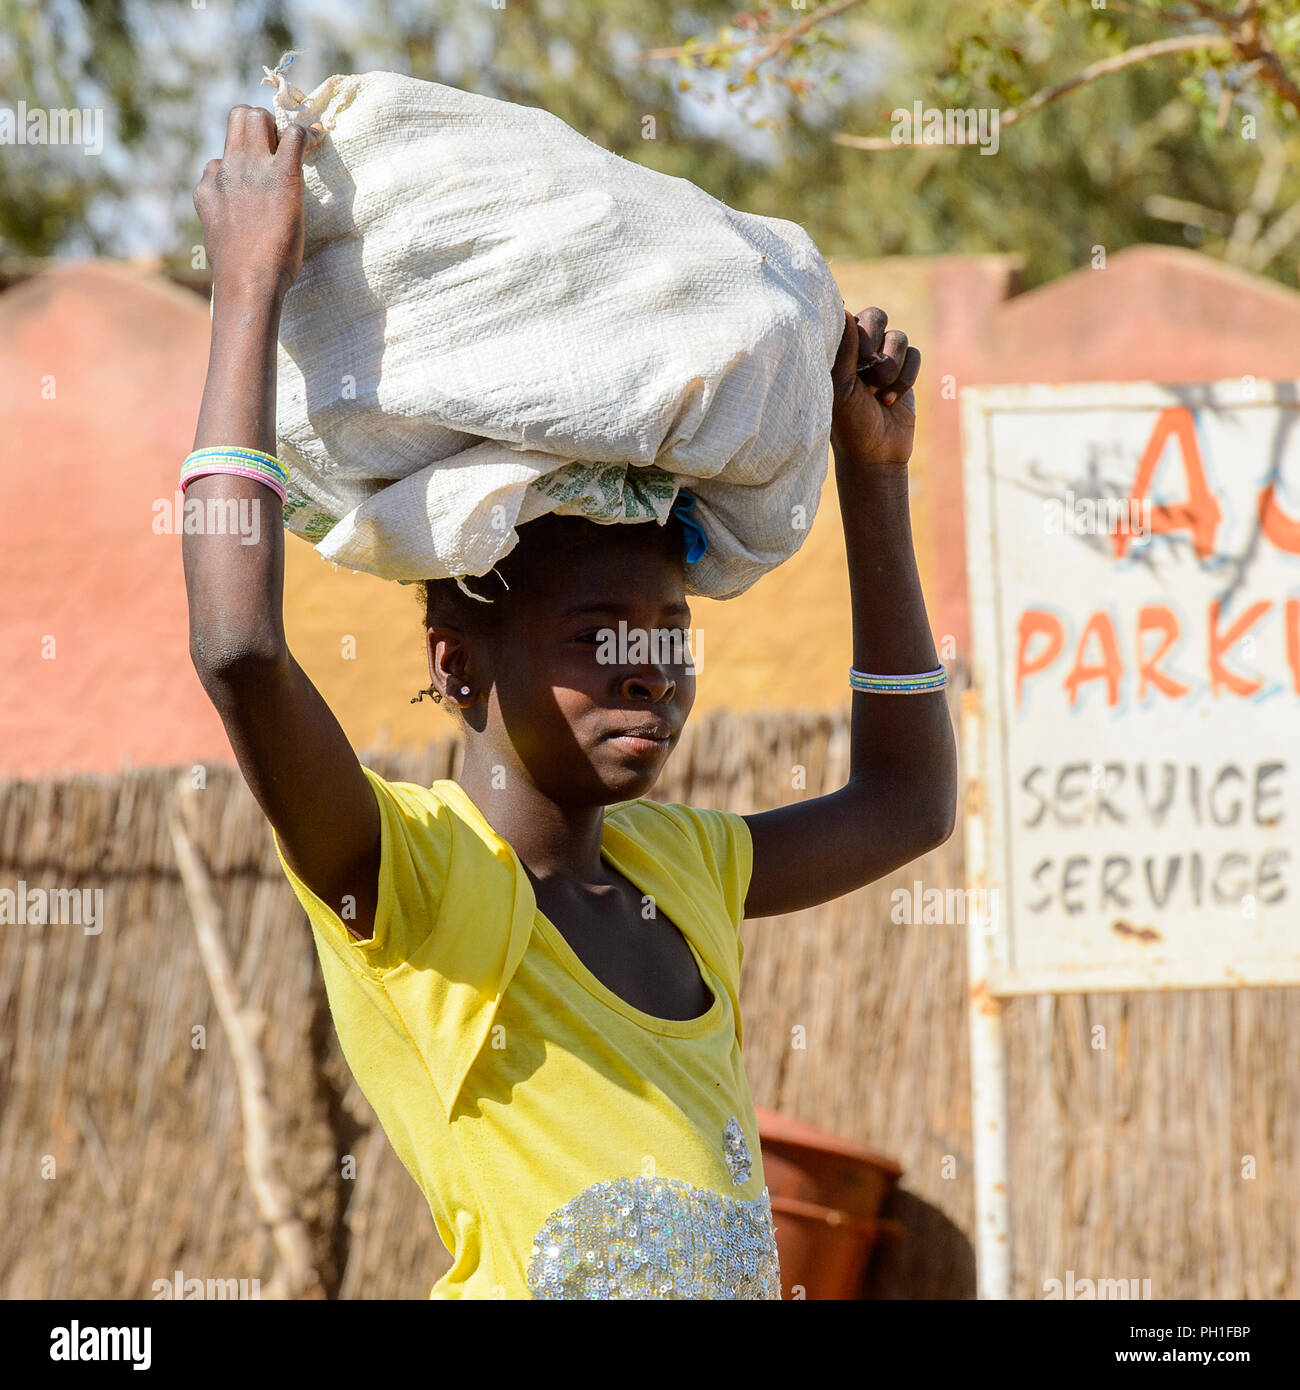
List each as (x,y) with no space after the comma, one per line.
(1133,554)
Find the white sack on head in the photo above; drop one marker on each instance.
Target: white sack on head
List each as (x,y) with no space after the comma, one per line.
(497,319)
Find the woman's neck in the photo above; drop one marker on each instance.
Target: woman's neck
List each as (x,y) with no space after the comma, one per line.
(550,839)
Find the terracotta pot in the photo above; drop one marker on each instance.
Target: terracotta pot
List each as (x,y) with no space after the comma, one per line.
(826,1198)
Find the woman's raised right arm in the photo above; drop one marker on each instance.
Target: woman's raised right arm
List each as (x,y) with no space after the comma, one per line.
(292,752)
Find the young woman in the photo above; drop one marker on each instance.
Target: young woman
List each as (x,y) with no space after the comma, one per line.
(534,972)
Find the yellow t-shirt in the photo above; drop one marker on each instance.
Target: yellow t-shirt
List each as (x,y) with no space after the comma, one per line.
(568,1144)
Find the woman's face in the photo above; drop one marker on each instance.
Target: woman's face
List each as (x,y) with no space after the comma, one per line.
(591,672)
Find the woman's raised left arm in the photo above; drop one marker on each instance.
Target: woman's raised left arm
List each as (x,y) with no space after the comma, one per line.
(900,799)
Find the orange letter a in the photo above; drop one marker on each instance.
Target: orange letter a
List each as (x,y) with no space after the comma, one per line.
(1200,513)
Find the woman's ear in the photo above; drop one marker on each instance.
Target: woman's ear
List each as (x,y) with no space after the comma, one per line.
(451,666)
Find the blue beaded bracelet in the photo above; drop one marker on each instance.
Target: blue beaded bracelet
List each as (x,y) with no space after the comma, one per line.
(918,684)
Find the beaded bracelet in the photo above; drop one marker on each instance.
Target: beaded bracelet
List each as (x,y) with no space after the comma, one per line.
(241,462)
(918,684)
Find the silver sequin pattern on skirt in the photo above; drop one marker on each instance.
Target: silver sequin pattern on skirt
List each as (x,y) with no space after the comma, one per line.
(640,1238)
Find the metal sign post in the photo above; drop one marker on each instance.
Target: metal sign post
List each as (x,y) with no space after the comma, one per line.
(988,1056)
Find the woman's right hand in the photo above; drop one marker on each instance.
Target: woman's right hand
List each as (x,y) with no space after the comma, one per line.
(250,203)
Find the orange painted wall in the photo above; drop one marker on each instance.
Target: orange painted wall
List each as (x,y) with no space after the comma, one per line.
(101,370)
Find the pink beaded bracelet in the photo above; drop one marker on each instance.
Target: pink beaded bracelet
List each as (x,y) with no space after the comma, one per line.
(239,462)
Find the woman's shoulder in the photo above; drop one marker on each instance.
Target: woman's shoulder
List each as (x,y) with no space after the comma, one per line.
(719,829)
(676,833)
(444,882)
(436,809)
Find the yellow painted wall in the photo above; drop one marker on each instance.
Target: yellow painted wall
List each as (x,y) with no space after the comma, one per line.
(783,644)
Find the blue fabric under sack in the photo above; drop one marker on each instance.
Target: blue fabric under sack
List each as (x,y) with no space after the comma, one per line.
(697,543)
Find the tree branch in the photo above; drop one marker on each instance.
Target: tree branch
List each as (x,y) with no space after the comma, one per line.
(1275,240)
(776,43)
(295,1273)
(1274,75)
(1268,181)
(1285,228)
(1146,12)
(1188,214)
(1142,53)
(1251,40)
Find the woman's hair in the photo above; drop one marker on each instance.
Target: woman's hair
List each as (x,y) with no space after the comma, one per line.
(547,540)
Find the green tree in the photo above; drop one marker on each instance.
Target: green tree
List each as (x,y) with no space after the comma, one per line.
(1117,122)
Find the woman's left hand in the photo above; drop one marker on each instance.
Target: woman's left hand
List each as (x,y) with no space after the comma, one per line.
(874,415)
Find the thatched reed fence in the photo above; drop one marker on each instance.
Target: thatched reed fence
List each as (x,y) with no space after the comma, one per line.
(121,1149)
